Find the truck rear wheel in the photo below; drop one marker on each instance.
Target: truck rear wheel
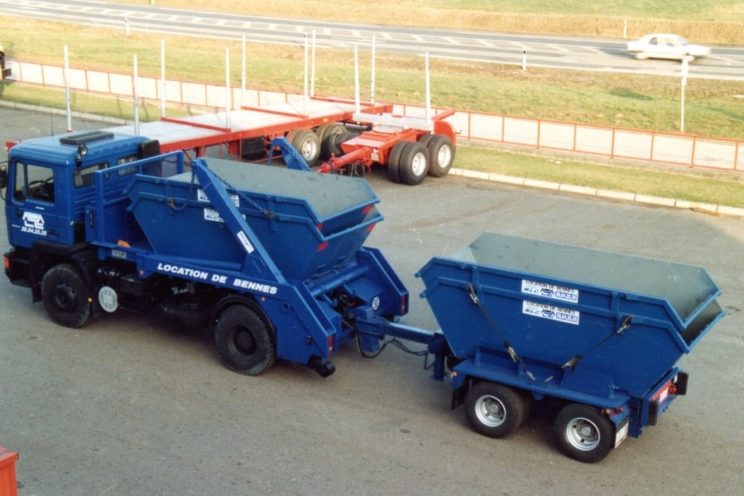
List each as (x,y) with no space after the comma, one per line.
(584,434)
(244,340)
(65,296)
(393,164)
(413,164)
(494,410)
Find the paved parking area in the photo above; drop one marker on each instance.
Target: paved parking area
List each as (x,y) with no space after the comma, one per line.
(129,406)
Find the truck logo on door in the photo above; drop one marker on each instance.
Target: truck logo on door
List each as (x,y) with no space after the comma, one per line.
(33,223)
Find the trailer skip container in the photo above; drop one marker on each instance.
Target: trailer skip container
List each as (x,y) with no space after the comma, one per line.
(272,261)
(599,331)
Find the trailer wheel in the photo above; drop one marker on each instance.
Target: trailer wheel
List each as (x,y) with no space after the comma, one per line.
(584,434)
(65,296)
(494,410)
(327,136)
(413,165)
(306,142)
(441,155)
(244,340)
(393,165)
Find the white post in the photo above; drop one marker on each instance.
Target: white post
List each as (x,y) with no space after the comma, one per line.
(372,75)
(625,28)
(357,104)
(304,78)
(524,60)
(126,26)
(242,77)
(68,106)
(427,109)
(685,70)
(312,68)
(162,78)
(228,90)
(135,94)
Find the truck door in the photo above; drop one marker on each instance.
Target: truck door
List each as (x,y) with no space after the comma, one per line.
(32,212)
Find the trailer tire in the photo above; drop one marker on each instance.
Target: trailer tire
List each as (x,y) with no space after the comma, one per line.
(494,410)
(327,135)
(306,142)
(441,155)
(413,165)
(393,164)
(65,296)
(244,340)
(583,433)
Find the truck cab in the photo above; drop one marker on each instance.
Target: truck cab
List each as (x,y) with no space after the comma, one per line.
(48,184)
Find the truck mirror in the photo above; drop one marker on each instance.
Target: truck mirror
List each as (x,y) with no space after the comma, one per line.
(3,175)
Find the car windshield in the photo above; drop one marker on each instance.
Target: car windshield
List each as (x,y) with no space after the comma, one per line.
(682,41)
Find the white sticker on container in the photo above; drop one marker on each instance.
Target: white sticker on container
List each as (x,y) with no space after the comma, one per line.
(551,312)
(202,197)
(551,291)
(246,242)
(212,215)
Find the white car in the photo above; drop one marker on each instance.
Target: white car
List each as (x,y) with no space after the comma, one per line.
(666,46)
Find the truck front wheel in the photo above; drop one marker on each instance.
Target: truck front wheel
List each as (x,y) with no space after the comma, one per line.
(244,340)
(65,296)
(494,410)
(584,434)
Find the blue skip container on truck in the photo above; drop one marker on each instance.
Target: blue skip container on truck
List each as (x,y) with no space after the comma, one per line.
(272,262)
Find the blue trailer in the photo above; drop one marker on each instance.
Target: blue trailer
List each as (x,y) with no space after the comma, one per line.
(272,262)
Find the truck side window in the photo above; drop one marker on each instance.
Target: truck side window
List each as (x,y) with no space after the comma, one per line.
(34,182)
(84,177)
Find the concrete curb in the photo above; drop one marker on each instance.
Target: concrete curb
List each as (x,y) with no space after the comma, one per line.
(707,208)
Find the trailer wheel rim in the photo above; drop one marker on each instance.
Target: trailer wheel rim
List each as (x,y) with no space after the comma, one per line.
(309,149)
(444,156)
(490,411)
(418,164)
(582,434)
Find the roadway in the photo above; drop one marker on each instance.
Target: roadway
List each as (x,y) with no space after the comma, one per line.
(590,54)
(131,406)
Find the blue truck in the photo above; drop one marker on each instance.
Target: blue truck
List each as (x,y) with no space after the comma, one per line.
(272,261)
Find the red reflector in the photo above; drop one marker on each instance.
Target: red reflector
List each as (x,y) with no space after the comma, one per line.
(370,227)
(319,226)
(331,342)
(367,209)
(322,246)
(6,263)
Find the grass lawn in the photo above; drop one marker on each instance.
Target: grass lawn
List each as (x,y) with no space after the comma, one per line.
(713,108)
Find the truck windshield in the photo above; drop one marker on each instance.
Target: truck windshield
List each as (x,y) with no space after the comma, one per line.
(34,182)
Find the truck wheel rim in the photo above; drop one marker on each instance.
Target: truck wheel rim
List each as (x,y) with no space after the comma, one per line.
(444,156)
(582,434)
(65,297)
(244,341)
(418,164)
(490,411)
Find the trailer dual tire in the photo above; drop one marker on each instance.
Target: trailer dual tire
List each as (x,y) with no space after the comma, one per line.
(394,160)
(244,340)
(583,433)
(413,165)
(495,410)
(65,296)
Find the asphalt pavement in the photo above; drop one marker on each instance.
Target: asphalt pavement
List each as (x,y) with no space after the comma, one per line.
(132,406)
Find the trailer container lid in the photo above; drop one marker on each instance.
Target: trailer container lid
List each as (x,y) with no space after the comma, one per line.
(685,287)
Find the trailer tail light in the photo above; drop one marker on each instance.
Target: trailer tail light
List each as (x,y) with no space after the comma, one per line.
(668,389)
(404,304)
(322,246)
(6,263)
(331,344)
